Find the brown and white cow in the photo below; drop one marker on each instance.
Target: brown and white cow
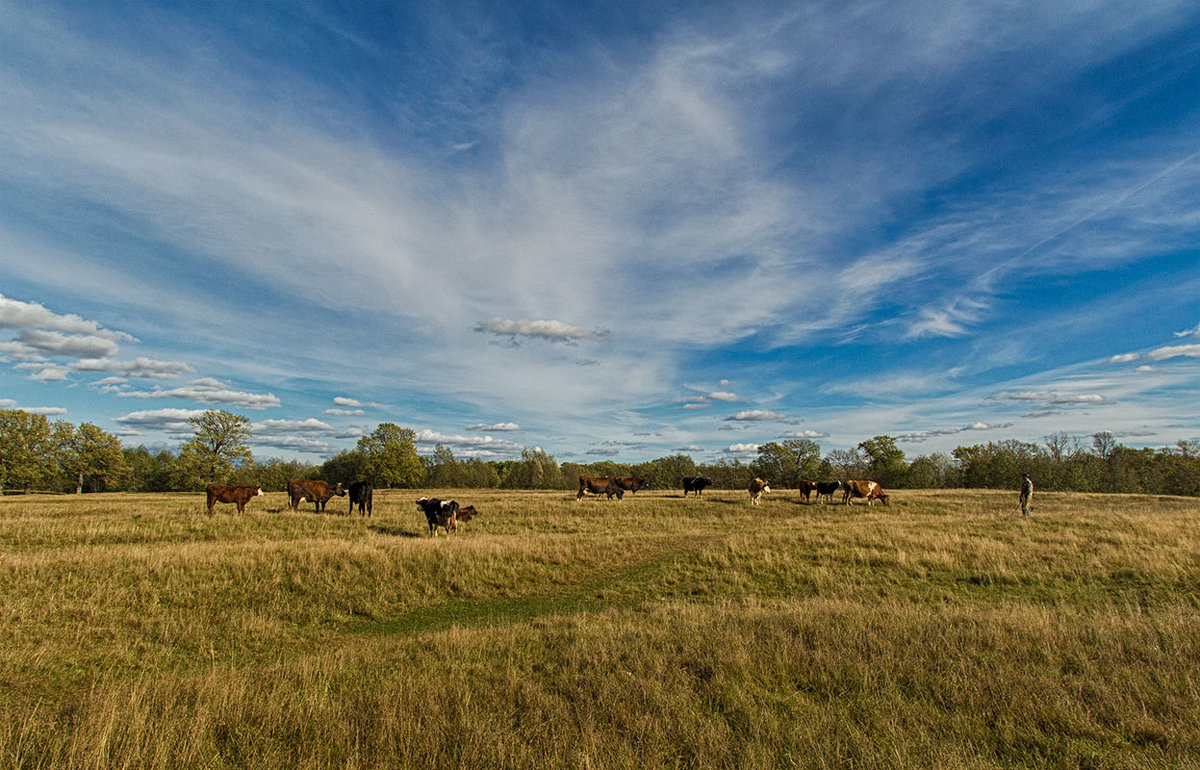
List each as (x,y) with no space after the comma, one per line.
(757,488)
(219,493)
(318,492)
(807,488)
(599,485)
(870,490)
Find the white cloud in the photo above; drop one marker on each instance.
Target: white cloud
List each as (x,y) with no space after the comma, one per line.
(169,420)
(140,367)
(804,434)
(1174,351)
(553,331)
(499,427)
(1122,358)
(208,391)
(755,415)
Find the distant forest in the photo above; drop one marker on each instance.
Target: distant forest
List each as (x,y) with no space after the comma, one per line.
(39,455)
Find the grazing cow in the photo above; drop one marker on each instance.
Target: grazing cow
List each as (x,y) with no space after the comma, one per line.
(439,513)
(361,494)
(807,488)
(599,485)
(467,512)
(757,488)
(629,483)
(219,493)
(825,490)
(863,489)
(317,492)
(695,484)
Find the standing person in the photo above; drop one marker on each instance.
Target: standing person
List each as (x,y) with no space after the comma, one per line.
(1026,493)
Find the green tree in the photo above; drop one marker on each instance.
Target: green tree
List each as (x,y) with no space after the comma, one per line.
(346,467)
(786,463)
(89,453)
(219,443)
(26,449)
(148,472)
(391,457)
(885,461)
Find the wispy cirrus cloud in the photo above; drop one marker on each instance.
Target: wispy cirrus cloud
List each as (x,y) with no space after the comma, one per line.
(551,331)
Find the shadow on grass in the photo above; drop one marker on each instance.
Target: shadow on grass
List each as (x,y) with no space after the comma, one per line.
(384,529)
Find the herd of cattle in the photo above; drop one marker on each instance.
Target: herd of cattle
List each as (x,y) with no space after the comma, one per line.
(446,514)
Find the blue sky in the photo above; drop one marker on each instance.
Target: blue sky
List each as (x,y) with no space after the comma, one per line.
(612,230)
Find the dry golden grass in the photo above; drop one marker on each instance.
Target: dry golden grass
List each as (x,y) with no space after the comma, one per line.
(943,631)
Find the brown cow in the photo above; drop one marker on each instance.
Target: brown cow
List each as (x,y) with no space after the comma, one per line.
(629,483)
(317,492)
(807,488)
(599,485)
(757,488)
(219,493)
(863,489)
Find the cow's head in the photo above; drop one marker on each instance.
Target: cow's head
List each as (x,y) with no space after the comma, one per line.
(337,490)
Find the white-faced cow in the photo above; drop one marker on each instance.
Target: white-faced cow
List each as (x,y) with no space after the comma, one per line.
(757,488)
(870,490)
(441,514)
(219,493)
(317,492)
(825,490)
(695,484)
(361,494)
(599,485)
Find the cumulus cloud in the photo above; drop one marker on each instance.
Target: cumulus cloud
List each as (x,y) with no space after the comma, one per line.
(481,447)
(721,395)
(804,434)
(499,427)
(174,421)
(207,391)
(755,415)
(15,314)
(742,450)
(140,367)
(552,331)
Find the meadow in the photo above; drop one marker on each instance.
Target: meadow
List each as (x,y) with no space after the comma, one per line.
(943,631)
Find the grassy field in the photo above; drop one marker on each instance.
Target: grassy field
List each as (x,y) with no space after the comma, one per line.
(944,631)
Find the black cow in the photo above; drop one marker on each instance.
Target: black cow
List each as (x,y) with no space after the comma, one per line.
(439,513)
(361,494)
(695,484)
(825,490)
(599,485)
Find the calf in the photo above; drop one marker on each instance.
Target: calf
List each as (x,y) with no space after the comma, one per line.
(807,488)
(219,493)
(695,484)
(439,513)
(360,495)
(757,488)
(599,485)
(318,492)
(825,490)
(864,489)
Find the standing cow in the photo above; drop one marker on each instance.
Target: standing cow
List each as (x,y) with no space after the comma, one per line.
(807,488)
(870,490)
(360,495)
(695,484)
(825,490)
(439,513)
(629,483)
(317,492)
(219,493)
(757,488)
(599,485)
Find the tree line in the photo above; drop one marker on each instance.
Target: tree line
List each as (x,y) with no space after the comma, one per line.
(37,454)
